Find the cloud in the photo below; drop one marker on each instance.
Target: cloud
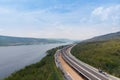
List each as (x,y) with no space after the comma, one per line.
(70,32)
(110,13)
(59,21)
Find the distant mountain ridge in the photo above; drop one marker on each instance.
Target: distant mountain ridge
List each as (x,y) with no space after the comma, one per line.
(105,37)
(12,41)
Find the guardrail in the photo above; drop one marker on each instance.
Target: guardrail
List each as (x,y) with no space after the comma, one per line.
(80,69)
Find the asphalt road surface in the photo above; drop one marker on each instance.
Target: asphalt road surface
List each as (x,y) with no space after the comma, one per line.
(81,68)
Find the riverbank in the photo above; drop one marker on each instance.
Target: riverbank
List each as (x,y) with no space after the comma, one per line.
(14,58)
(42,70)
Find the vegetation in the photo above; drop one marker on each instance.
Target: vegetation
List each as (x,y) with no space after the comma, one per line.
(100,54)
(43,70)
(105,37)
(13,41)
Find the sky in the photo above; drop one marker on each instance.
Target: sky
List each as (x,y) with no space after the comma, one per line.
(71,19)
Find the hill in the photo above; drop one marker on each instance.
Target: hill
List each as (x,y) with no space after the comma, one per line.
(105,37)
(12,41)
(101,52)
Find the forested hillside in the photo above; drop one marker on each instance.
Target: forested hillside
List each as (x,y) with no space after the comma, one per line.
(103,54)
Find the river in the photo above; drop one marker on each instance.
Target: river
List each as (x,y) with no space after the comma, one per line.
(14,58)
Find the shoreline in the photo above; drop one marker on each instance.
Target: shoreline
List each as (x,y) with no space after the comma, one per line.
(25,56)
(44,62)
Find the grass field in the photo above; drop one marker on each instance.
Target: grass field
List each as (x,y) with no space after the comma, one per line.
(43,70)
(101,54)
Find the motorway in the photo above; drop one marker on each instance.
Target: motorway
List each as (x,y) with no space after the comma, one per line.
(82,68)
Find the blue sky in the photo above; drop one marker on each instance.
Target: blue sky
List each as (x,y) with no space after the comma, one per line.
(72,19)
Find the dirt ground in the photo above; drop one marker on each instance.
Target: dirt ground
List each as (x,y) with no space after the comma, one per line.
(69,70)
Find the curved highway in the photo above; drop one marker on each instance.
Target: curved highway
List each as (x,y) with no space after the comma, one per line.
(81,68)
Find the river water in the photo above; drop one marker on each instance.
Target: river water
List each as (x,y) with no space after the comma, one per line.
(13,58)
